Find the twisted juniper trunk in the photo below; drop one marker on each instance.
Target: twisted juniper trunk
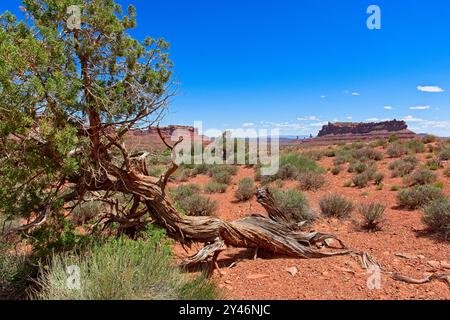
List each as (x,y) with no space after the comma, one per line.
(273,234)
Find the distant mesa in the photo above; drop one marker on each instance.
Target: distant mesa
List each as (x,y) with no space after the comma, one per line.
(343,128)
(351,131)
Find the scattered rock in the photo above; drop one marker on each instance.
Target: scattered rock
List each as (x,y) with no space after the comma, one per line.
(434,264)
(406,256)
(293,271)
(329,242)
(257,276)
(223,273)
(445,264)
(228,281)
(324,273)
(421,256)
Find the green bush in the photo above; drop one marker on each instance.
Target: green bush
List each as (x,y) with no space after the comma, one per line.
(437,216)
(202,168)
(246,189)
(301,163)
(215,187)
(369,153)
(156,171)
(86,211)
(361,180)
(421,177)
(311,181)
(184,191)
(378,178)
(418,196)
(339,160)
(124,270)
(372,214)
(444,155)
(434,164)
(198,205)
(347,184)
(403,167)
(415,146)
(396,150)
(13,272)
(429,139)
(336,205)
(393,138)
(294,204)
(395,187)
(336,170)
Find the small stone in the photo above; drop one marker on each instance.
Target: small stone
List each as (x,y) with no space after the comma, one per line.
(257,276)
(405,255)
(421,256)
(293,271)
(445,264)
(223,273)
(324,273)
(228,281)
(434,264)
(329,242)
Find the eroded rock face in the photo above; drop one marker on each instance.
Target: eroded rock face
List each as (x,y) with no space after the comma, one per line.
(344,128)
(165,131)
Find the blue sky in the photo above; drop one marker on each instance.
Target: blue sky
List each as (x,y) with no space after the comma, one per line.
(295,65)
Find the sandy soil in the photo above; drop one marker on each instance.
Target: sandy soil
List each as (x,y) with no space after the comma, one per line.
(337,277)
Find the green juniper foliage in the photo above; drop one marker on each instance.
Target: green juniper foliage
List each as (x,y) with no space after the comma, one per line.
(64,92)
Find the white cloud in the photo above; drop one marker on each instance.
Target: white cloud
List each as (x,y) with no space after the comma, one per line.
(373,119)
(412,119)
(349,118)
(430,89)
(309,118)
(420,108)
(388,108)
(323,97)
(355,94)
(318,124)
(248,124)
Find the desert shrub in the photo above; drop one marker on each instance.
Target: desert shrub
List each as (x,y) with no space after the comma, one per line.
(447,172)
(222,177)
(378,177)
(418,196)
(287,172)
(301,163)
(437,216)
(215,187)
(415,146)
(336,170)
(314,154)
(444,155)
(339,160)
(360,167)
(182,175)
(123,270)
(330,153)
(198,205)
(368,153)
(429,139)
(347,184)
(393,138)
(395,187)
(13,271)
(439,185)
(434,164)
(311,181)
(246,189)
(396,150)
(202,168)
(86,211)
(184,191)
(361,180)
(378,143)
(336,205)
(294,204)
(403,167)
(421,177)
(372,214)
(156,171)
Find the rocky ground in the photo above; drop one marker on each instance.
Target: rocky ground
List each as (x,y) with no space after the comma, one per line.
(399,247)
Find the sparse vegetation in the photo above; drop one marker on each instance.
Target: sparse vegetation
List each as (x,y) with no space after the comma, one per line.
(215,187)
(123,270)
(311,181)
(372,214)
(336,170)
(361,180)
(434,164)
(403,167)
(421,177)
(418,196)
(246,189)
(198,205)
(415,146)
(396,150)
(336,205)
(437,217)
(294,204)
